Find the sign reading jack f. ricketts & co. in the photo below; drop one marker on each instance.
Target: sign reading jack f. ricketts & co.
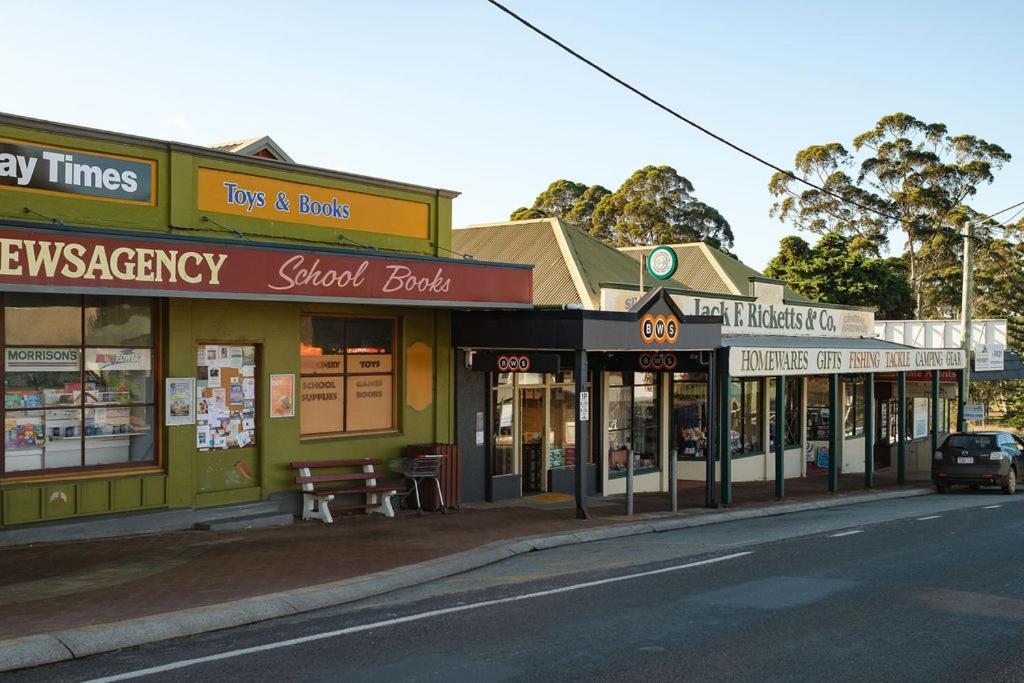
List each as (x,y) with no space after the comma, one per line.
(47,260)
(57,170)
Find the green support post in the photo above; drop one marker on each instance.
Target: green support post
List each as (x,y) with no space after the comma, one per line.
(869,430)
(901,429)
(935,410)
(780,432)
(724,436)
(833,433)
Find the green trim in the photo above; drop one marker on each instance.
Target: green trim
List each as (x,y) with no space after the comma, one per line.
(672,269)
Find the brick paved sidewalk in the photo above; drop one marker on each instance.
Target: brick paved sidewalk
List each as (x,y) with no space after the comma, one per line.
(58,586)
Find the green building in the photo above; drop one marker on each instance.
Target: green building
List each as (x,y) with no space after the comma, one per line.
(180,322)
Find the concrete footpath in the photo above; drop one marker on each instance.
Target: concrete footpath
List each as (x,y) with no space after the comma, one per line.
(70,600)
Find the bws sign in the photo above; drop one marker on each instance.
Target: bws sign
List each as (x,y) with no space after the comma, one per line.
(516,361)
(657,361)
(659,329)
(55,170)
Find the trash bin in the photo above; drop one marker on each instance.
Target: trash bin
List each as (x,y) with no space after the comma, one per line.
(450,475)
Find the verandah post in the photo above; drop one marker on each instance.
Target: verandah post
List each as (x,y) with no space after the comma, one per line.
(780,431)
(869,430)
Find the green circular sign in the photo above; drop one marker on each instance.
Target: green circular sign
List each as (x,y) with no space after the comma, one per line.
(662,262)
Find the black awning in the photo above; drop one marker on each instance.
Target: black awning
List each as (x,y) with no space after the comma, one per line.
(656,325)
(1013,369)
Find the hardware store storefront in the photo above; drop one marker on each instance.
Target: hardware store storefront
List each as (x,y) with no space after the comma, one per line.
(178,323)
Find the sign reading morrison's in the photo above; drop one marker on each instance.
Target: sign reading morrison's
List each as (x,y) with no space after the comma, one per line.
(38,168)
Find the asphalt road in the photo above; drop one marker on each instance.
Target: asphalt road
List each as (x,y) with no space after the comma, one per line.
(928,588)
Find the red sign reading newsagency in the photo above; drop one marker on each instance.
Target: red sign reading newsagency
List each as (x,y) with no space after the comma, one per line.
(68,261)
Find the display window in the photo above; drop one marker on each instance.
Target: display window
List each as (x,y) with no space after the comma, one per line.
(79,382)
(347,382)
(745,417)
(853,407)
(632,422)
(794,397)
(818,409)
(690,415)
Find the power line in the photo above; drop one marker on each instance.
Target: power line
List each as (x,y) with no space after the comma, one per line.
(690,122)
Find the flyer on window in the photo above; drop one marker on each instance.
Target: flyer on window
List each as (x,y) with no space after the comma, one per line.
(180,403)
(282,396)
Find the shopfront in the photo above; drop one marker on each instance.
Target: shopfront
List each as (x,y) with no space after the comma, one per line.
(177,323)
(530,364)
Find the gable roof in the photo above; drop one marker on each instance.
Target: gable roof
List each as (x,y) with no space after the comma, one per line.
(264,147)
(705,269)
(569,265)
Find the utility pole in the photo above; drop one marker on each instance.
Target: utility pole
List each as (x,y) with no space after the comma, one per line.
(967,297)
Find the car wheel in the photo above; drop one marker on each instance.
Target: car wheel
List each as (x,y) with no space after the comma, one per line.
(975,487)
(1010,483)
(942,488)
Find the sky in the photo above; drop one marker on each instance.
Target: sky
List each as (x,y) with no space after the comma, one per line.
(455,94)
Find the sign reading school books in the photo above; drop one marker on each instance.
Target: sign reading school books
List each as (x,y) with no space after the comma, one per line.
(241,194)
(57,170)
(44,260)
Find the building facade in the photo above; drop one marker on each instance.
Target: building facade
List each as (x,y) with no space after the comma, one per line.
(178,323)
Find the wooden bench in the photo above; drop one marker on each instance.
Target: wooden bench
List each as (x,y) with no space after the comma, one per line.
(318,490)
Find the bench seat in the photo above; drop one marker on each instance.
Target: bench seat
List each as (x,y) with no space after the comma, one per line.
(319,488)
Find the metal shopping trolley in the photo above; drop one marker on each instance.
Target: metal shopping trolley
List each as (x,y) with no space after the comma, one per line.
(417,468)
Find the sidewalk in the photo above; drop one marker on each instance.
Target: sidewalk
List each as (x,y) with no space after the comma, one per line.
(64,586)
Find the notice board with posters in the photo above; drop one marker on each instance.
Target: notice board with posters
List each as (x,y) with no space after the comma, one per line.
(225,396)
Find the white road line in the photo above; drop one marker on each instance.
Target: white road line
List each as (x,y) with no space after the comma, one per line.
(403,620)
(989,507)
(847,533)
(921,519)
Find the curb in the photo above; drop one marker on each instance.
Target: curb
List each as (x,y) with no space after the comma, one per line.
(50,648)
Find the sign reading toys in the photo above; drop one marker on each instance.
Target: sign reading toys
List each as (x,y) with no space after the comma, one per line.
(241,194)
(55,170)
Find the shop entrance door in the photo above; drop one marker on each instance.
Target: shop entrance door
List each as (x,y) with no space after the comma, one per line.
(532,411)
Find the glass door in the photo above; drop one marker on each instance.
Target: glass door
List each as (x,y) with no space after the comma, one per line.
(531,435)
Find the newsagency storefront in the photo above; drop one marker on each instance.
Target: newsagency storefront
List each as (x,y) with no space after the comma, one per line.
(178,323)
(795,389)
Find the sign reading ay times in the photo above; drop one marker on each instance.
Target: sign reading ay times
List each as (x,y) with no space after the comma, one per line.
(40,168)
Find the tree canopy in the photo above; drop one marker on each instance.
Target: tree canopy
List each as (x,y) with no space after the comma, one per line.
(845,270)
(655,205)
(903,175)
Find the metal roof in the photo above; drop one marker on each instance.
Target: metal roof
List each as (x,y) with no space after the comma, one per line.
(778,342)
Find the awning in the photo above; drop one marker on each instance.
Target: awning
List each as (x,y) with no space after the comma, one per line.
(1013,369)
(655,325)
(760,356)
(83,261)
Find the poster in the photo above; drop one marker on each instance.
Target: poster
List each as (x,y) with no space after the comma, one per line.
(282,396)
(920,418)
(224,413)
(180,401)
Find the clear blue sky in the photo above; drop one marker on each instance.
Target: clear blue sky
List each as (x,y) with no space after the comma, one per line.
(454,94)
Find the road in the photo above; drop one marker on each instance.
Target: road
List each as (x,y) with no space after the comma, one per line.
(928,588)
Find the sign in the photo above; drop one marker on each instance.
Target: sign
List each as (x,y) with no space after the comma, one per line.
(662,262)
(56,170)
(659,329)
(42,360)
(322,409)
(180,401)
(370,406)
(42,260)
(516,361)
(282,395)
(975,412)
(918,376)
(746,317)
(116,360)
(920,418)
(584,406)
(657,361)
(251,196)
(758,362)
(480,428)
(988,357)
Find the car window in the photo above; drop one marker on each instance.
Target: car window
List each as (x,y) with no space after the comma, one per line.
(972,441)
(1018,441)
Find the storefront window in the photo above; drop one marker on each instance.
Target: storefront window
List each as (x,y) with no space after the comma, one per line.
(348,375)
(502,438)
(818,409)
(794,396)
(70,402)
(690,415)
(853,407)
(632,422)
(745,416)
